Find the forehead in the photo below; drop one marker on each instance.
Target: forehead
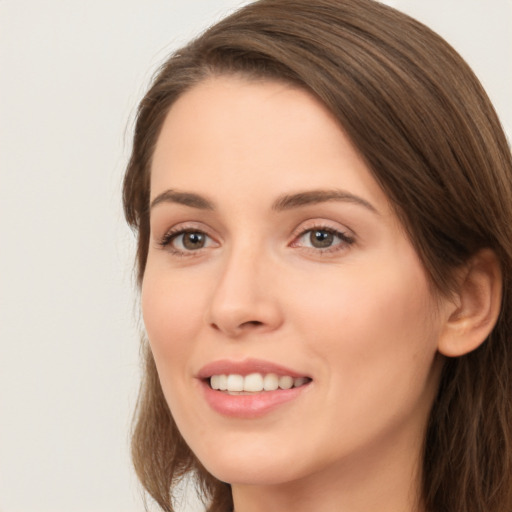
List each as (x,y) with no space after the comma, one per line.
(234,113)
(247,136)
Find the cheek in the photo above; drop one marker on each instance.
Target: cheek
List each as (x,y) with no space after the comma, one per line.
(172,313)
(376,328)
(353,304)
(373,338)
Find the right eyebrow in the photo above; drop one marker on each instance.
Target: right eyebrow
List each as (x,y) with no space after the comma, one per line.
(185,198)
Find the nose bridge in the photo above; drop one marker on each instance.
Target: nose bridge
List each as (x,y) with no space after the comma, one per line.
(243,297)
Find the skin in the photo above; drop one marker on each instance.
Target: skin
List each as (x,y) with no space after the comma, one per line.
(359,318)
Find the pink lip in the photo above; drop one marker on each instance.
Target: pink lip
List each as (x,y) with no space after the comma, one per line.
(247,406)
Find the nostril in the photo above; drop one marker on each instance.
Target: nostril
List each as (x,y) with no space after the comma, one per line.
(237,329)
(254,323)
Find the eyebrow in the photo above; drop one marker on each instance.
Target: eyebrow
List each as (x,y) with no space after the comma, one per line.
(299,199)
(282,203)
(185,198)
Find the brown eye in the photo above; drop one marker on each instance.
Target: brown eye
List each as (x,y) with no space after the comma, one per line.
(321,239)
(191,240)
(187,242)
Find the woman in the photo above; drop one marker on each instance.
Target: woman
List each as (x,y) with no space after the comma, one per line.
(322,194)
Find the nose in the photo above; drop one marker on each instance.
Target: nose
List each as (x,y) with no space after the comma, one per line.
(244,299)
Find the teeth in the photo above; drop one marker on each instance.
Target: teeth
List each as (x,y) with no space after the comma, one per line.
(270,382)
(223,382)
(255,382)
(214,381)
(235,383)
(285,382)
(299,381)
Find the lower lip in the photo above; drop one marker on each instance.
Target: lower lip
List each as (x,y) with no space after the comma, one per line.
(249,406)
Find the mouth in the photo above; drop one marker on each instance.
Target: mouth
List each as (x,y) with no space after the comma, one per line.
(251,388)
(236,384)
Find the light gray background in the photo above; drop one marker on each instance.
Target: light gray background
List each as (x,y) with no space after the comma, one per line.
(71,73)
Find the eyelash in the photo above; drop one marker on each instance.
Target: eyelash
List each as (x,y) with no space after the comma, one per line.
(344,240)
(173,234)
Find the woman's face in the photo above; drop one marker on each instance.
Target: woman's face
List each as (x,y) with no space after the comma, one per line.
(275,259)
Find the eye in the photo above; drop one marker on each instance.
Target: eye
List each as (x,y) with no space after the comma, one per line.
(323,239)
(186,240)
(190,240)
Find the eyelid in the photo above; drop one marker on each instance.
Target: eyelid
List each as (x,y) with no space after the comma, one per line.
(322,224)
(165,241)
(345,235)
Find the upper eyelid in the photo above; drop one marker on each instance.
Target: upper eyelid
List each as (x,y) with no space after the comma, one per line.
(167,240)
(174,233)
(174,236)
(303,227)
(326,224)
(321,227)
(180,227)
(344,236)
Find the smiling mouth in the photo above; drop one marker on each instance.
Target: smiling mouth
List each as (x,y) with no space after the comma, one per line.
(235,384)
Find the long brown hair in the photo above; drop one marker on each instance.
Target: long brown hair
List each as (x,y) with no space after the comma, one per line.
(431,138)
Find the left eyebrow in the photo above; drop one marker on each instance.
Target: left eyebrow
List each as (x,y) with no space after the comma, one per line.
(289,201)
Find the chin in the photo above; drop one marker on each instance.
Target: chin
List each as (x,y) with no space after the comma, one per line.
(251,474)
(250,466)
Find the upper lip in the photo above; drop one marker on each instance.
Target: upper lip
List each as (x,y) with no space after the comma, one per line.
(245,367)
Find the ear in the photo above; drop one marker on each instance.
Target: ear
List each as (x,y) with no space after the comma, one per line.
(476,307)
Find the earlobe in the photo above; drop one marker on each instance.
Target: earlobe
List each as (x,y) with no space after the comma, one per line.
(476,308)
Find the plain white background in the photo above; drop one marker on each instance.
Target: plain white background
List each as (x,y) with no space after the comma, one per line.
(71,74)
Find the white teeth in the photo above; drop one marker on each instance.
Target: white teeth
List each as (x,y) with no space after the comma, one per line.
(285,382)
(223,382)
(214,381)
(235,383)
(219,382)
(255,382)
(270,382)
